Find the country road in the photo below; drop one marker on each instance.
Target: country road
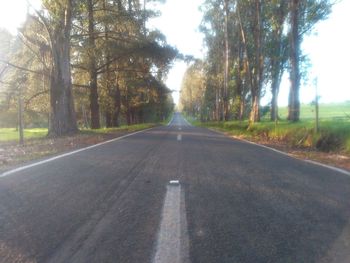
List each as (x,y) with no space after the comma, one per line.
(233,202)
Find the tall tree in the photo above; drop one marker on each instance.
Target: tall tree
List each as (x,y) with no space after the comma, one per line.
(303,16)
(94,105)
(276,50)
(226,61)
(295,41)
(58,23)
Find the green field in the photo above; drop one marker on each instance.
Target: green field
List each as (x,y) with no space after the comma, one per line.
(332,111)
(11,134)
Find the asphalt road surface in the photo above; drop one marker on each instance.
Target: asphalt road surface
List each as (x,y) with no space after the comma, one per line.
(233,202)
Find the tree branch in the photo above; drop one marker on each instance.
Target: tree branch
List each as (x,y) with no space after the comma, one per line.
(22,68)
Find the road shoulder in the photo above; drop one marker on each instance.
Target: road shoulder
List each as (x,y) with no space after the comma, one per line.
(12,155)
(334,161)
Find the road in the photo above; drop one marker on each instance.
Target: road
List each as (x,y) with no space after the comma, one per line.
(234,202)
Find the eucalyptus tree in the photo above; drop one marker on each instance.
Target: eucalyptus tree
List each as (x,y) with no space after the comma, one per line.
(56,18)
(276,49)
(193,90)
(112,43)
(303,15)
(249,38)
(213,26)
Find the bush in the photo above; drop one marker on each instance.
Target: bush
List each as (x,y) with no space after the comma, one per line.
(329,142)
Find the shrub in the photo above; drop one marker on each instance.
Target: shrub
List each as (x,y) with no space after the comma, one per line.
(329,142)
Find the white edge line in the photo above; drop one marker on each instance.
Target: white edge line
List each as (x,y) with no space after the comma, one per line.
(329,167)
(69,153)
(170,120)
(186,121)
(286,154)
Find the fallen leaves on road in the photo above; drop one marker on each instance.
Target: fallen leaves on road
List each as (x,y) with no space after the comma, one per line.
(12,154)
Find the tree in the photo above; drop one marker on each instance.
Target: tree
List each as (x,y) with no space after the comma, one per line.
(248,49)
(58,22)
(303,16)
(276,50)
(193,90)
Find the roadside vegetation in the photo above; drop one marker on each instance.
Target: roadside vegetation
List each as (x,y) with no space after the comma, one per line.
(251,46)
(38,145)
(333,134)
(85,64)
(11,134)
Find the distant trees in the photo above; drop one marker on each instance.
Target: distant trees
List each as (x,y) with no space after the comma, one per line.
(193,95)
(96,61)
(251,43)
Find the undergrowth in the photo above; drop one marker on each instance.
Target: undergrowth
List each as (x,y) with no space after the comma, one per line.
(333,135)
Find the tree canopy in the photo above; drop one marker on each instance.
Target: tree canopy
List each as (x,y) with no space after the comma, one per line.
(250,44)
(86,63)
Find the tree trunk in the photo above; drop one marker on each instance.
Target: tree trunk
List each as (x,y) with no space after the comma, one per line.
(255,111)
(239,84)
(109,122)
(94,106)
(257,78)
(217,105)
(117,106)
(274,101)
(294,103)
(127,106)
(226,65)
(278,57)
(241,109)
(63,119)
(247,65)
(20,115)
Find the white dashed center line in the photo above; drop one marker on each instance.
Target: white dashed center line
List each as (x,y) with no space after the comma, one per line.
(179,137)
(172,242)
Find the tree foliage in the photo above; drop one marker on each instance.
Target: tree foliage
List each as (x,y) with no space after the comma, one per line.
(250,44)
(89,63)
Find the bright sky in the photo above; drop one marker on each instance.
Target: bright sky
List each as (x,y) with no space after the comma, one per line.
(179,23)
(328,50)
(13,13)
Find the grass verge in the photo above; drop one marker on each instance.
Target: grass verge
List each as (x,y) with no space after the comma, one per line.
(330,146)
(333,136)
(39,145)
(11,134)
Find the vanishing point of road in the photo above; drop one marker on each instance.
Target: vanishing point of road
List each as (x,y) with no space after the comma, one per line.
(174,194)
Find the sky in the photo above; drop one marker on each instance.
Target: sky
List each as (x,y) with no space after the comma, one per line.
(328,50)
(180,26)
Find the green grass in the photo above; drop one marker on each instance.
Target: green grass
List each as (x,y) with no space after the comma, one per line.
(332,136)
(330,111)
(334,133)
(123,128)
(11,134)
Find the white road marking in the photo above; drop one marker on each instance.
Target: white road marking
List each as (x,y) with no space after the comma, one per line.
(174,182)
(68,154)
(180,128)
(179,137)
(329,167)
(308,161)
(286,154)
(171,120)
(172,242)
(189,124)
